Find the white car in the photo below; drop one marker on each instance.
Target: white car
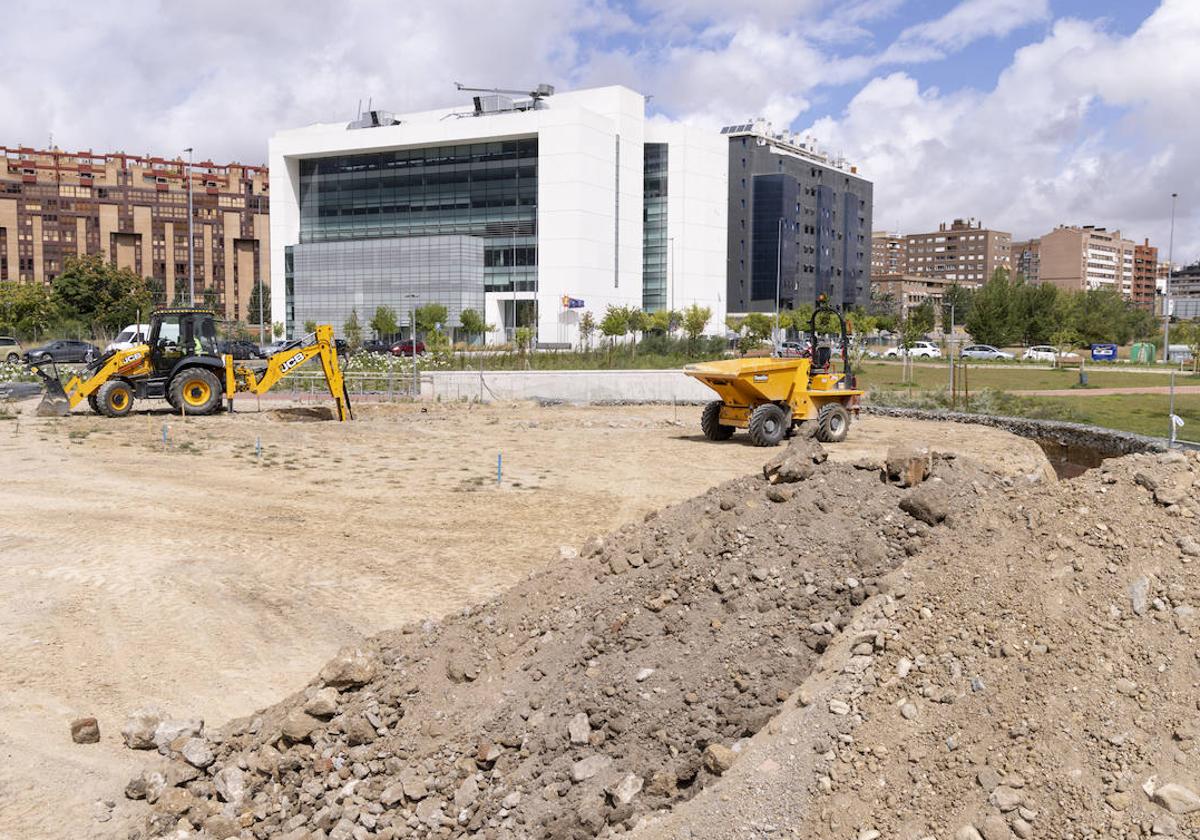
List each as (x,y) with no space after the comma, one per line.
(919,350)
(984,351)
(1046,353)
(131,336)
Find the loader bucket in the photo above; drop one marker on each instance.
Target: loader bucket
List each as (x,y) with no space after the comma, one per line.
(54,397)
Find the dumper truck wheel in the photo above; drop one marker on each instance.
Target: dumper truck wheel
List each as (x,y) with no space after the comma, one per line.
(833,423)
(115,398)
(768,425)
(196,391)
(710,422)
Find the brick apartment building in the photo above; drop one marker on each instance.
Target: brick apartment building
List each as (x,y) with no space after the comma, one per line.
(1145,275)
(133,211)
(1087,257)
(889,254)
(963,252)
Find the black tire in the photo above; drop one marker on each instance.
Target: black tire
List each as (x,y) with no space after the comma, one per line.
(13,358)
(768,425)
(94,402)
(197,390)
(710,422)
(833,423)
(114,398)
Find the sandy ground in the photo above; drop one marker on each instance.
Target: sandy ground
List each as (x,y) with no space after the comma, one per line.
(211,581)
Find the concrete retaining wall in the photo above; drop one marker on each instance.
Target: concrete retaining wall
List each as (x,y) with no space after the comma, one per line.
(570,386)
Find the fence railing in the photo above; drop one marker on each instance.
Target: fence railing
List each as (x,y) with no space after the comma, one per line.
(383,386)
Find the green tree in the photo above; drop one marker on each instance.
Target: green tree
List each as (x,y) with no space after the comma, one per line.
(990,320)
(278,329)
(352,330)
(756,328)
(1187,333)
(252,308)
(1034,312)
(310,327)
(1101,315)
(639,322)
(615,323)
(524,339)
(695,321)
(26,309)
(472,323)
(211,300)
(660,322)
(430,317)
(99,294)
(917,324)
(587,328)
(383,322)
(961,298)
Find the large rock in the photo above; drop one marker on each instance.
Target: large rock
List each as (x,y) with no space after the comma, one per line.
(353,666)
(624,791)
(323,704)
(994,827)
(299,725)
(198,753)
(139,728)
(927,504)
(718,758)
(579,729)
(907,465)
(1177,799)
(796,462)
(230,784)
(172,730)
(586,768)
(85,731)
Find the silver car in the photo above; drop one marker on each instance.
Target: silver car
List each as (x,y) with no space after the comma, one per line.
(984,351)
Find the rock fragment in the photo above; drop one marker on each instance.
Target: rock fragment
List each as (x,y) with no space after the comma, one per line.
(85,730)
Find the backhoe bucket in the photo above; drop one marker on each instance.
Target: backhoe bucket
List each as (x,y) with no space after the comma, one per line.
(54,397)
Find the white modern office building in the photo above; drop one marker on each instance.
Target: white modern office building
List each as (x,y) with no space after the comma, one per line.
(530,210)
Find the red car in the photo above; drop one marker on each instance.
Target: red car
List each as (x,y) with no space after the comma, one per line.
(405,348)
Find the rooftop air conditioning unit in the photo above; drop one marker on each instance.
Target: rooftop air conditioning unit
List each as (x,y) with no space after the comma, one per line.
(374,119)
(493,103)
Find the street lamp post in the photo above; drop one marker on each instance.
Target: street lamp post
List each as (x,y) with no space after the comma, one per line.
(778,274)
(191,241)
(1167,285)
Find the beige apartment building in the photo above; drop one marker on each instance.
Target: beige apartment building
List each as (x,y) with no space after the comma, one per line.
(889,254)
(909,291)
(133,211)
(963,252)
(1087,257)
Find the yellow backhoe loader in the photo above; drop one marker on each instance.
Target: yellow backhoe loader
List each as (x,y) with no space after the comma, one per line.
(180,363)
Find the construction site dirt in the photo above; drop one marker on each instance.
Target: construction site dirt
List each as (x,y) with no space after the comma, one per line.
(210,566)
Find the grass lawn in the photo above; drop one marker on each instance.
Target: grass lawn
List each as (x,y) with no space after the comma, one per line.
(1014,378)
(1145,414)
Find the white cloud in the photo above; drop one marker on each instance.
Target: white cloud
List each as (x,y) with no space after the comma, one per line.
(1083,127)
(966,23)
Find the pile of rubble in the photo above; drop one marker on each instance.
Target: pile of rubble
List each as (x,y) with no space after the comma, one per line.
(619,682)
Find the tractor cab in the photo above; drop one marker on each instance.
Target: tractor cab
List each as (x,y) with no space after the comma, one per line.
(176,333)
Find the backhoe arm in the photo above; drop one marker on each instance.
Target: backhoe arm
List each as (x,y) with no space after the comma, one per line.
(289,359)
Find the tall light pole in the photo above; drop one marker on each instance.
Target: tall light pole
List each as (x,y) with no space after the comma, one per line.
(778,273)
(1167,285)
(191,241)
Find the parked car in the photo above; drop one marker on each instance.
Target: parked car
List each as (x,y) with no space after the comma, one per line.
(132,335)
(793,348)
(1046,353)
(64,350)
(273,347)
(377,345)
(405,348)
(984,351)
(10,349)
(919,350)
(240,349)
(342,346)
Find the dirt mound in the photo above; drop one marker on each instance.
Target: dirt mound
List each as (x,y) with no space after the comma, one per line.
(1034,674)
(620,682)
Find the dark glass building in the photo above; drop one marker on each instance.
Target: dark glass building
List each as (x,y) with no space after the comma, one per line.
(798,223)
(654,228)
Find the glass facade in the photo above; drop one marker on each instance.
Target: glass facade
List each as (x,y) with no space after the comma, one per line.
(333,278)
(774,196)
(655,246)
(483,190)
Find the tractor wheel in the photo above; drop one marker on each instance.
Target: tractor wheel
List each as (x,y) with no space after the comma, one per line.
(94,402)
(833,423)
(768,425)
(710,422)
(115,398)
(196,391)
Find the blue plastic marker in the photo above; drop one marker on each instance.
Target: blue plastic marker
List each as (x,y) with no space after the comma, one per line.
(258,448)
(164,434)
(499,466)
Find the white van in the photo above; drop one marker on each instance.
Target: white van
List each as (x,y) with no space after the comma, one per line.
(132,335)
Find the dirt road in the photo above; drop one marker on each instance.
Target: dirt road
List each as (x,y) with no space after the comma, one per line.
(197,575)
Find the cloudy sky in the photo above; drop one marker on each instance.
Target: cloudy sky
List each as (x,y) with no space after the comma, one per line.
(1023,113)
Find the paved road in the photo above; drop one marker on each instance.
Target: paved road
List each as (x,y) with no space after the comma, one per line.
(1106,392)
